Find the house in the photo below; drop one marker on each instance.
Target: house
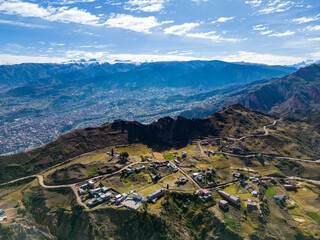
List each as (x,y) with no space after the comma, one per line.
(183,154)
(254,193)
(264,183)
(84,186)
(156,194)
(199,178)
(94,191)
(139,169)
(128,171)
(211,184)
(260,214)
(149,159)
(155,177)
(91,183)
(92,202)
(290,185)
(279,198)
(104,189)
(235,174)
(243,183)
(173,167)
(204,192)
(182,180)
(80,191)
(251,205)
(104,197)
(177,162)
(195,174)
(232,198)
(120,200)
(137,197)
(207,197)
(223,204)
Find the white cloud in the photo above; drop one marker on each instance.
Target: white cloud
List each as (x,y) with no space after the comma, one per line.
(268,32)
(254,3)
(306,19)
(313,28)
(213,37)
(24,9)
(62,14)
(137,24)
(75,15)
(223,19)
(314,39)
(145,5)
(270,6)
(199,1)
(180,29)
(184,30)
(253,57)
(22,24)
(259,27)
(17,59)
(283,34)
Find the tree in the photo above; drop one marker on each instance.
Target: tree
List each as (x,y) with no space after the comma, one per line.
(124,157)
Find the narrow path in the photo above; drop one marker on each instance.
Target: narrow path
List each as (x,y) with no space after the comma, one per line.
(184,173)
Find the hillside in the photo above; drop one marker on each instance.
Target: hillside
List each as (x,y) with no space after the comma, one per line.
(166,132)
(105,182)
(296,95)
(298,91)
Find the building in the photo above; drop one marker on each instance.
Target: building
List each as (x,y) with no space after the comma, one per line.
(290,185)
(104,197)
(84,186)
(80,191)
(91,183)
(231,198)
(264,183)
(120,200)
(251,205)
(137,197)
(223,204)
(139,169)
(156,194)
(183,154)
(104,189)
(279,198)
(92,202)
(204,192)
(128,171)
(182,180)
(94,191)
(254,193)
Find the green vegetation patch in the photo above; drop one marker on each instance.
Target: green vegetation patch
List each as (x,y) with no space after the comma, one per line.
(230,222)
(270,192)
(93,171)
(315,216)
(168,156)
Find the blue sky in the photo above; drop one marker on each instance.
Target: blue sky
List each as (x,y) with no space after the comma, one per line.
(262,31)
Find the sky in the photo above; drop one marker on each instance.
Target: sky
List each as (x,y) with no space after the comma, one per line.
(274,32)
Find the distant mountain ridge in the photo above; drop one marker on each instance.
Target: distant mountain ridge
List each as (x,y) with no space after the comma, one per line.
(297,91)
(295,94)
(162,74)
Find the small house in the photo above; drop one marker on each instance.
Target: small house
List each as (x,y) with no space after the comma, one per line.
(223,204)
(279,198)
(91,183)
(254,193)
(183,154)
(251,205)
